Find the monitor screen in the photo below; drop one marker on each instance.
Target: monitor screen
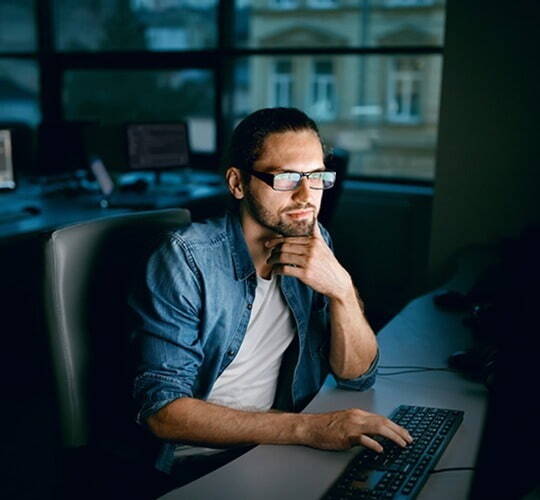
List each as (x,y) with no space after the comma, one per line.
(7,178)
(157,145)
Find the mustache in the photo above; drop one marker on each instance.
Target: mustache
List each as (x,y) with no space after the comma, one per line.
(299,207)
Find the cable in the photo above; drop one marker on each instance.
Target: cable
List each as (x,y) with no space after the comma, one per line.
(412,369)
(449,469)
(415,367)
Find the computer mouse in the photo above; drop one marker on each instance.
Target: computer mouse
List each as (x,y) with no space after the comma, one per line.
(32,210)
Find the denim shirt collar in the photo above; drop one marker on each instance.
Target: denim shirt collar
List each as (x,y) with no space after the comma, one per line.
(243,264)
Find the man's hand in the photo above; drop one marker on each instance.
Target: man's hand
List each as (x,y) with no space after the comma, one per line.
(340,430)
(309,259)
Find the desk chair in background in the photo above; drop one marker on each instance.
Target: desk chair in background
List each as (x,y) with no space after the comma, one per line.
(337,161)
(88,269)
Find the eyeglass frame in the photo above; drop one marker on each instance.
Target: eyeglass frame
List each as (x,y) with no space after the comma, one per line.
(269,178)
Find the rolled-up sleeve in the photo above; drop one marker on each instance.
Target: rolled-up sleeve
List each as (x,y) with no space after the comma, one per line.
(165,345)
(364,381)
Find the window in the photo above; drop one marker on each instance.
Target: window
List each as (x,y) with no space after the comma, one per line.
(368,72)
(321,4)
(404,86)
(377,148)
(408,3)
(281,86)
(17,26)
(283,4)
(323,91)
(144,96)
(155,25)
(19,97)
(19,74)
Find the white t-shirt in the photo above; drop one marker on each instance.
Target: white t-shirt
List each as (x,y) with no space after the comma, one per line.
(249,382)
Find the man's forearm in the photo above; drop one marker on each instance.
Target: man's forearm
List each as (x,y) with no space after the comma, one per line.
(199,422)
(353,345)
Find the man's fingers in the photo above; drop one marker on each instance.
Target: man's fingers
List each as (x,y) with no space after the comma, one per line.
(286,258)
(291,248)
(389,433)
(370,443)
(299,240)
(401,431)
(288,270)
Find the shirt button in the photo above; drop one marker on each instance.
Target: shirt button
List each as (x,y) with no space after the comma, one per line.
(249,306)
(231,353)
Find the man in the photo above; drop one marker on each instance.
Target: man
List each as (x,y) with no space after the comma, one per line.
(249,312)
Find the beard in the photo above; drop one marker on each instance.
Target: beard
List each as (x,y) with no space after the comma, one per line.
(275,222)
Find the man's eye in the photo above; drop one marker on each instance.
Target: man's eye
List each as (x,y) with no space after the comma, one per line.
(287,176)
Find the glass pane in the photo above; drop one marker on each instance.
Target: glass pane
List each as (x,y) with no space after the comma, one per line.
(116,97)
(19,92)
(386,118)
(17,26)
(339,23)
(153,25)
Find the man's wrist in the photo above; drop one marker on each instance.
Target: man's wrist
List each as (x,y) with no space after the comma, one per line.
(346,294)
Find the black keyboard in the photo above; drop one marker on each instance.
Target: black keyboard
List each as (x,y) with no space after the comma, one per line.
(399,473)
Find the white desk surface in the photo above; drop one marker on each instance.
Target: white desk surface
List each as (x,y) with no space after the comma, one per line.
(420,335)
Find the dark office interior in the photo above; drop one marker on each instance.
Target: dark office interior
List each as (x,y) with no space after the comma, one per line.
(427,108)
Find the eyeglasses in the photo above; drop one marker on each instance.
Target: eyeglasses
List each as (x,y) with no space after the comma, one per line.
(289,181)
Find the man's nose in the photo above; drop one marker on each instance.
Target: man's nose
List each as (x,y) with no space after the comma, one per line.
(303,191)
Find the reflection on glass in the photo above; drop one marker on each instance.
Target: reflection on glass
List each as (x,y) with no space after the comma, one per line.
(17,26)
(339,23)
(154,25)
(136,96)
(19,85)
(382,109)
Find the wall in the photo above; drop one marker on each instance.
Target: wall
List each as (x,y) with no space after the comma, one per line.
(487,175)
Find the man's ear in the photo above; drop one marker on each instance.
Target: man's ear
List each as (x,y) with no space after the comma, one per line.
(233,177)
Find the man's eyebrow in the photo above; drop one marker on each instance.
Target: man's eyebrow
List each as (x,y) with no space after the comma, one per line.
(286,171)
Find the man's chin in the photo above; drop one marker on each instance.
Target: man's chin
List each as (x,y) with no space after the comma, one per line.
(300,228)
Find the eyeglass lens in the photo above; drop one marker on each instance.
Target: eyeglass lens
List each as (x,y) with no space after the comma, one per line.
(291,180)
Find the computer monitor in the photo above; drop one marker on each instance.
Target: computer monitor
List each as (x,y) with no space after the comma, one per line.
(506,466)
(156,146)
(7,176)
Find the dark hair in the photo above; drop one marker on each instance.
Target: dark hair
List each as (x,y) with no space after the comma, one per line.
(248,137)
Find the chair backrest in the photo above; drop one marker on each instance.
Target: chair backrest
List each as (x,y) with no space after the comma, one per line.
(88,271)
(338,161)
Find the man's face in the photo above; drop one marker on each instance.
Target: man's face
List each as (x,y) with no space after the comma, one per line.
(290,213)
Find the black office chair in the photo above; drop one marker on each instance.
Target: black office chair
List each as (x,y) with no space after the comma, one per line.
(88,269)
(337,161)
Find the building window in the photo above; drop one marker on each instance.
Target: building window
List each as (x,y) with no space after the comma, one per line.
(322,4)
(281,85)
(283,4)
(404,87)
(408,3)
(323,90)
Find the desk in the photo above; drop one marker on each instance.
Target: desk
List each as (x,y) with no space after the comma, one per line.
(206,196)
(419,335)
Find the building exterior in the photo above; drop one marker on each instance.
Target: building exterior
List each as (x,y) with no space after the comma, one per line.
(382,108)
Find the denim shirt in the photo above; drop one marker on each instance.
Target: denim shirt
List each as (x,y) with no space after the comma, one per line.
(193,309)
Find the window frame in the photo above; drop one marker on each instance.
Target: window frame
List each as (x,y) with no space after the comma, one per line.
(52,64)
